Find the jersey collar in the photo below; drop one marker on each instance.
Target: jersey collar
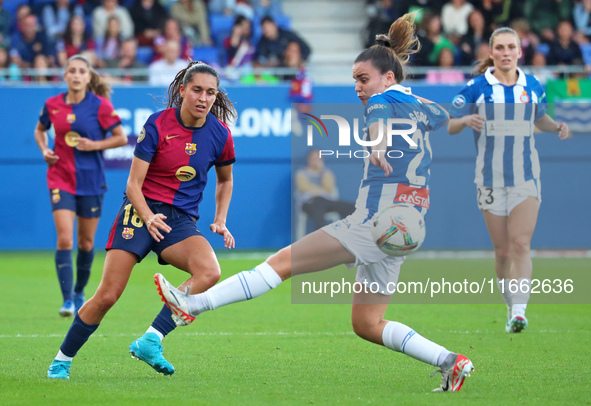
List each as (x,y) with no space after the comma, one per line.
(400,88)
(494,81)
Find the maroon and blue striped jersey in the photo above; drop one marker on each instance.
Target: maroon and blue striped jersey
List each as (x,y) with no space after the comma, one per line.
(78,172)
(180,157)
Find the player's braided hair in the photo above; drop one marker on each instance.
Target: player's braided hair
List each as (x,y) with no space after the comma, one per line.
(392,51)
(487,62)
(222,109)
(97,84)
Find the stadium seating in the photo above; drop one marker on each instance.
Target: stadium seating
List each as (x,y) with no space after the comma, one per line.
(220,26)
(209,55)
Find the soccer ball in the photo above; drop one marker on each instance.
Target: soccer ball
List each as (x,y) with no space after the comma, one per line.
(398,230)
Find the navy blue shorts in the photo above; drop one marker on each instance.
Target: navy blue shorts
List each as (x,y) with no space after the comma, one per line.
(84,206)
(129,233)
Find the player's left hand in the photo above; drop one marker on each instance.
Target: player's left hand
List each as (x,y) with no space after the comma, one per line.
(85,144)
(222,230)
(563,131)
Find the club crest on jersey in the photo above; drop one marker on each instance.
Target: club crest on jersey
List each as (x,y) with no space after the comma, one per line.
(190,148)
(127,233)
(71,118)
(55,196)
(524,98)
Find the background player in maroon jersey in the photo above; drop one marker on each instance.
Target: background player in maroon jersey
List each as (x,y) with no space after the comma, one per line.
(82,117)
(175,150)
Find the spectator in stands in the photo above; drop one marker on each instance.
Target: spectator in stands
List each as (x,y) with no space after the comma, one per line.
(21,12)
(582,17)
(271,47)
(423,8)
(172,32)
(239,46)
(110,8)
(475,36)
(317,192)
(380,15)
(454,17)
(539,68)
(445,74)
(499,13)
(149,18)
(272,8)
(4,27)
(544,16)
(56,16)
(564,50)
(432,41)
(40,64)
(163,71)
(75,40)
(301,84)
(529,40)
(4,63)
(30,42)
(108,48)
(192,16)
(231,7)
(127,60)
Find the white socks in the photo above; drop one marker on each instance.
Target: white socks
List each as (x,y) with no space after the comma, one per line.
(521,298)
(398,337)
(63,357)
(245,285)
(158,333)
(516,296)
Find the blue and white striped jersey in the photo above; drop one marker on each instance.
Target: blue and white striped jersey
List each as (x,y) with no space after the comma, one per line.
(410,164)
(506,153)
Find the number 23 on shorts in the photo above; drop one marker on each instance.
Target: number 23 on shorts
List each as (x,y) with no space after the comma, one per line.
(485,196)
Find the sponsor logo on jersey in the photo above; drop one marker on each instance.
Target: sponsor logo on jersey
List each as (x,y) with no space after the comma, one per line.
(142,135)
(459,101)
(433,108)
(71,118)
(127,233)
(56,111)
(113,113)
(72,138)
(524,98)
(412,195)
(185,173)
(190,148)
(168,137)
(94,209)
(55,196)
(375,106)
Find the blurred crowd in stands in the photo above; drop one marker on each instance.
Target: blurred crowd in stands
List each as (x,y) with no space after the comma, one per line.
(157,35)
(455,33)
(239,35)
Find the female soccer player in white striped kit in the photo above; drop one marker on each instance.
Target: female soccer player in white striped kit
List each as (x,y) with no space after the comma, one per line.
(503,106)
(377,72)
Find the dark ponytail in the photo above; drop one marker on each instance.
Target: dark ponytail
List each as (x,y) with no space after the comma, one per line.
(222,109)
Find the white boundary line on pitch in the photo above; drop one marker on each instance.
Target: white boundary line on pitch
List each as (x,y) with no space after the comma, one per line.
(288,333)
(435,254)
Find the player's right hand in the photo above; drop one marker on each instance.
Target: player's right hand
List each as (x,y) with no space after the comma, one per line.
(378,158)
(50,157)
(474,121)
(155,224)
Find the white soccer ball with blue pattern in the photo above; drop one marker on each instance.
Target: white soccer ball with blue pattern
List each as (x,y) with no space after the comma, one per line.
(398,230)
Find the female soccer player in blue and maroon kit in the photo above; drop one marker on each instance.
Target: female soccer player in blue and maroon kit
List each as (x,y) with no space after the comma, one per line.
(82,118)
(175,150)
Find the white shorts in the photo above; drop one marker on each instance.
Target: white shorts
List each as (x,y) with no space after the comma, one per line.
(501,200)
(354,232)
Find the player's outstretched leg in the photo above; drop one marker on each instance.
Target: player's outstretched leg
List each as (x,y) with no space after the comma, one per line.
(243,286)
(452,376)
(148,348)
(176,300)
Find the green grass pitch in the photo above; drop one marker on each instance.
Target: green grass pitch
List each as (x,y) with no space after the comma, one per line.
(270,351)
